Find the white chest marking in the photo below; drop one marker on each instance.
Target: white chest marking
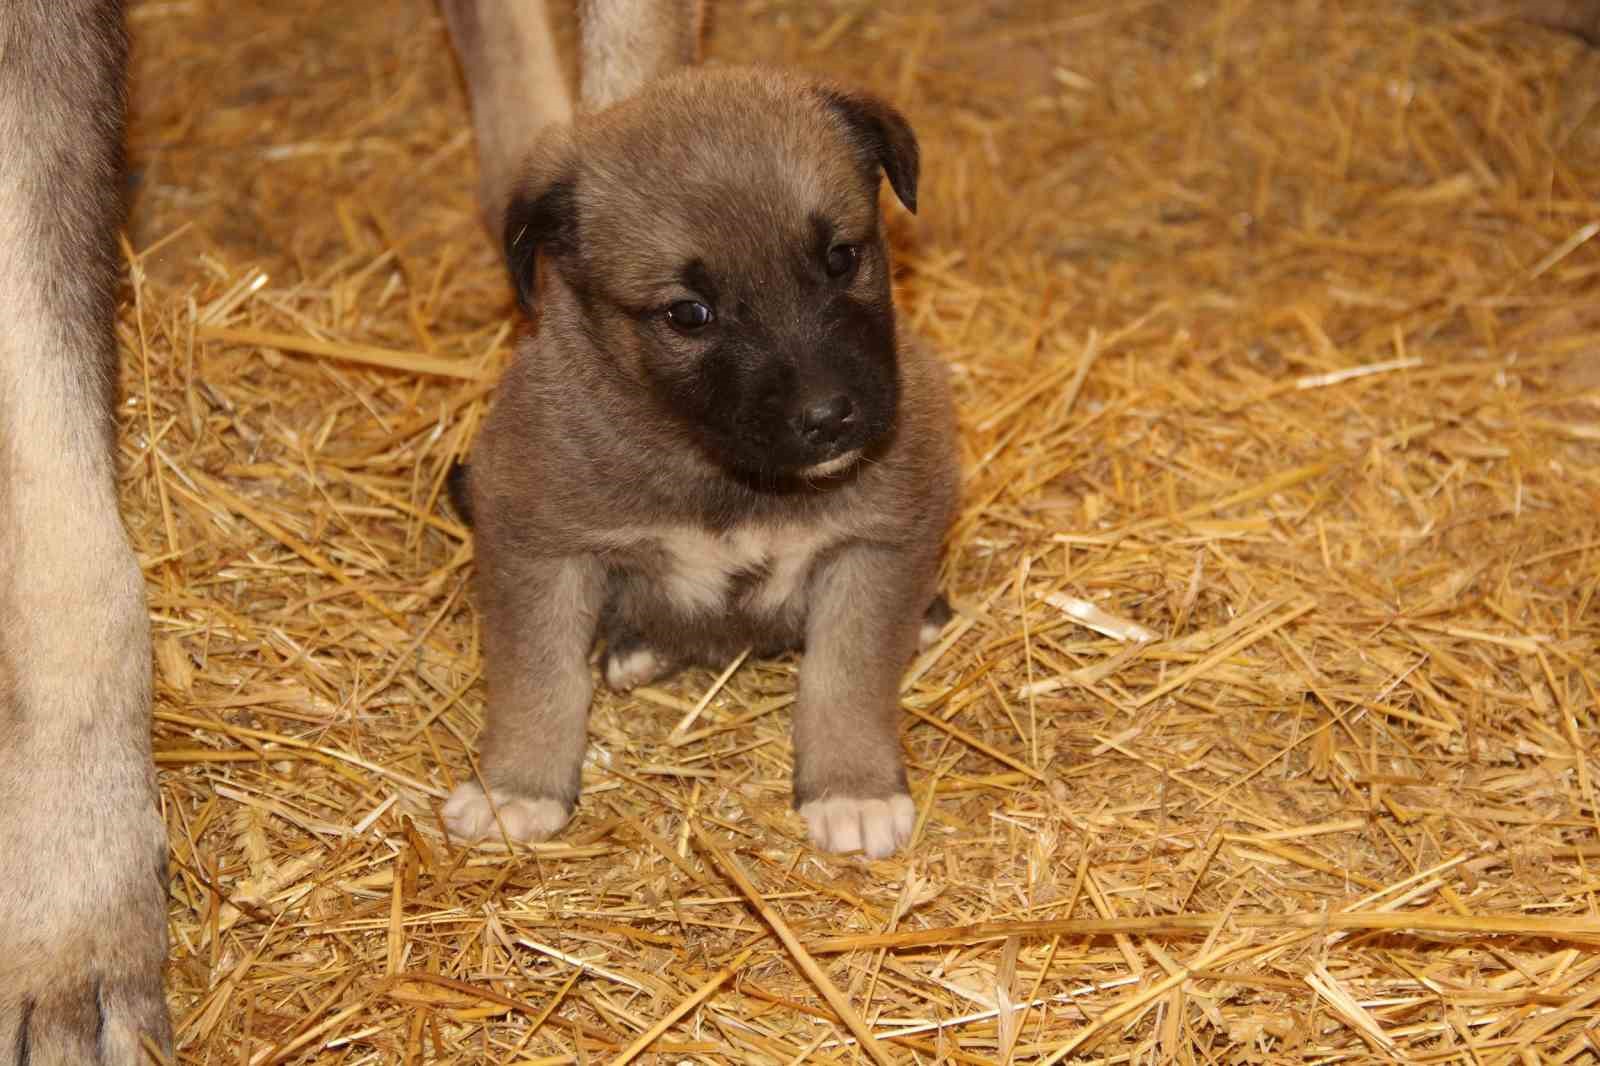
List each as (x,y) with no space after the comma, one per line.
(701,566)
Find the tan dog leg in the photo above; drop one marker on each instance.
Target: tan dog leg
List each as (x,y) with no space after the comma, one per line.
(82,899)
(627,43)
(516,88)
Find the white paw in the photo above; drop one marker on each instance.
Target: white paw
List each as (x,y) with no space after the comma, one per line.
(470,815)
(875,826)
(928,635)
(636,666)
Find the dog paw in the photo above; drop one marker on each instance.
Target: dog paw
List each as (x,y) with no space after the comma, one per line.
(470,815)
(82,917)
(633,665)
(875,826)
(100,1019)
(83,901)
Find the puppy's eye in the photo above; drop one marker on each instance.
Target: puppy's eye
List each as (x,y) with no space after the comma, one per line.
(843,260)
(687,316)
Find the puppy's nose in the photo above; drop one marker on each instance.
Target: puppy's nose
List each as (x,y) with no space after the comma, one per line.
(822,422)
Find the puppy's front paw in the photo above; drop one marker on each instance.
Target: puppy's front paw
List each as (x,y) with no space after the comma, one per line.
(470,815)
(845,823)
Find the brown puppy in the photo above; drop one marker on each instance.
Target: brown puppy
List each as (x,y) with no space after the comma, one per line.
(714,439)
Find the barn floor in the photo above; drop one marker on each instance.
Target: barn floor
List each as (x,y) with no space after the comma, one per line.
(1274,329)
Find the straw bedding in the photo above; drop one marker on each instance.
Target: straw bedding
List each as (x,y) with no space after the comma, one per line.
(1274,334)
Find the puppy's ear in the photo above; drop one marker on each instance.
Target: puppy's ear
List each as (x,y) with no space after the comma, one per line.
(883,134)
(540,216)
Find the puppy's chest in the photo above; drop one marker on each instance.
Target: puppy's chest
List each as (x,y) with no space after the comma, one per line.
(751,571)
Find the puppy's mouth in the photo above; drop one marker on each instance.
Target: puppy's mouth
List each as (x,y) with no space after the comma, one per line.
(837,465)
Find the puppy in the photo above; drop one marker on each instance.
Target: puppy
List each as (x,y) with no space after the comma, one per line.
(714,438)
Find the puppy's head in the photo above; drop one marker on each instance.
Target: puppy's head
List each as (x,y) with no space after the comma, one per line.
(720,241)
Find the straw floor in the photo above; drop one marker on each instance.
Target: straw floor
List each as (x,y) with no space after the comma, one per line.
(1275,333)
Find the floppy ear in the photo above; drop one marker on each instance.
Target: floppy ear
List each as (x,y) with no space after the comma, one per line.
(882,134)
(540,216)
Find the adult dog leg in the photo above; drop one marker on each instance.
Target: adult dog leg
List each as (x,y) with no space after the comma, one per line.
(516,88)
(626,43)
(82,901)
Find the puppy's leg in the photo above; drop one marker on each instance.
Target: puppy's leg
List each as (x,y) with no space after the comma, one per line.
(849,778)
(627,43)
(539,618)
(514,80)
(82,898)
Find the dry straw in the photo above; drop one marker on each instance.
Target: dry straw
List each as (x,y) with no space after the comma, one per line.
(1266,728)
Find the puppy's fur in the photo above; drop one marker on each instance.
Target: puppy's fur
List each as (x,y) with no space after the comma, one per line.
(778,476)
